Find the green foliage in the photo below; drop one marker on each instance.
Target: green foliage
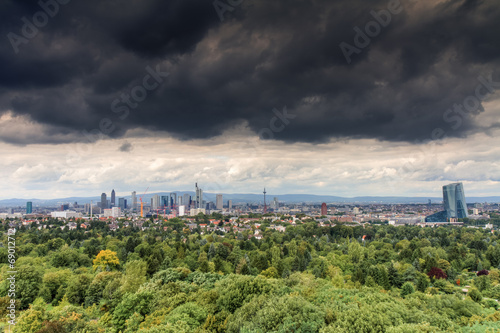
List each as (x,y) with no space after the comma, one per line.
(235,290)
(307,279)
(475,295)
(139,302)
(407,289)
(28,283)
(190,313)
(284,314)
(135,275)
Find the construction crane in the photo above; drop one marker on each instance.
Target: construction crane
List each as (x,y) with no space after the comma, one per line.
(142,204)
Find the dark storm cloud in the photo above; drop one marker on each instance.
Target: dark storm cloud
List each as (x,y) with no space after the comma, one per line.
(264,55)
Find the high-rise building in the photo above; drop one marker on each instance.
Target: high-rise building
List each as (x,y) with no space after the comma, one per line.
(134,201)
(155,202)
(29,207)
(164,201)
(230,204)
(276,203)
(104,201)
(455,206)
(219,202)
(186,201)
(173,200)
(454,201)
(113,195)
(199,197)
(324,209)
(122,203)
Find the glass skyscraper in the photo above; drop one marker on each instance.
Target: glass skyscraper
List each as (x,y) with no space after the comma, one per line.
(454,201)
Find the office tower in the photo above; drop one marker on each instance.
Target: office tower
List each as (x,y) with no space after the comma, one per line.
(218,201)
(276,204)
(113,203)
(29,207)
(134,201)
(104,201)
(155,202)
(199,197)
(230,204)
(165,201)
(454,201)
(186,201)
(173,200)
(324,209)
(122,203)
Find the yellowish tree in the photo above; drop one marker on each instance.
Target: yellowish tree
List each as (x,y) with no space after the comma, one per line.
(106,259)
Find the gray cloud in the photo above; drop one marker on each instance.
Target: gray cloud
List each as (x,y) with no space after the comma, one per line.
(126,147)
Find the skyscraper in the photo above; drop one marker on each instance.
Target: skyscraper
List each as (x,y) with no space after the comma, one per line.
(324,209)
(218,201)
(173,200)
(230,204)
(155,202)
(134,201)
(165,201)
(104,201)
(454,201)
(122,203)
(199,197)
(276,203)
(29,207)
(113,203)
(186,201)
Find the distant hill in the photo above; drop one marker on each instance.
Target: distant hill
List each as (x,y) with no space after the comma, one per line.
(254,198)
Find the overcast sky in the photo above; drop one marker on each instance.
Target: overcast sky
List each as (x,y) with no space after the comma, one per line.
(348,97)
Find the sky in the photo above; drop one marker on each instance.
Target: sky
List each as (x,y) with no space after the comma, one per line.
(347,98)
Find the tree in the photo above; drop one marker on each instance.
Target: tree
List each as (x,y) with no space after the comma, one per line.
(422,282)
(135,275)
(77,289)
(482,282)
(271,272)
(483,272)
(407,289)
(475,295)
(139,302)
(242,267)
(106,260)
(29,321)
(28,283)
(203,265)
(437,273)
(370,282)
